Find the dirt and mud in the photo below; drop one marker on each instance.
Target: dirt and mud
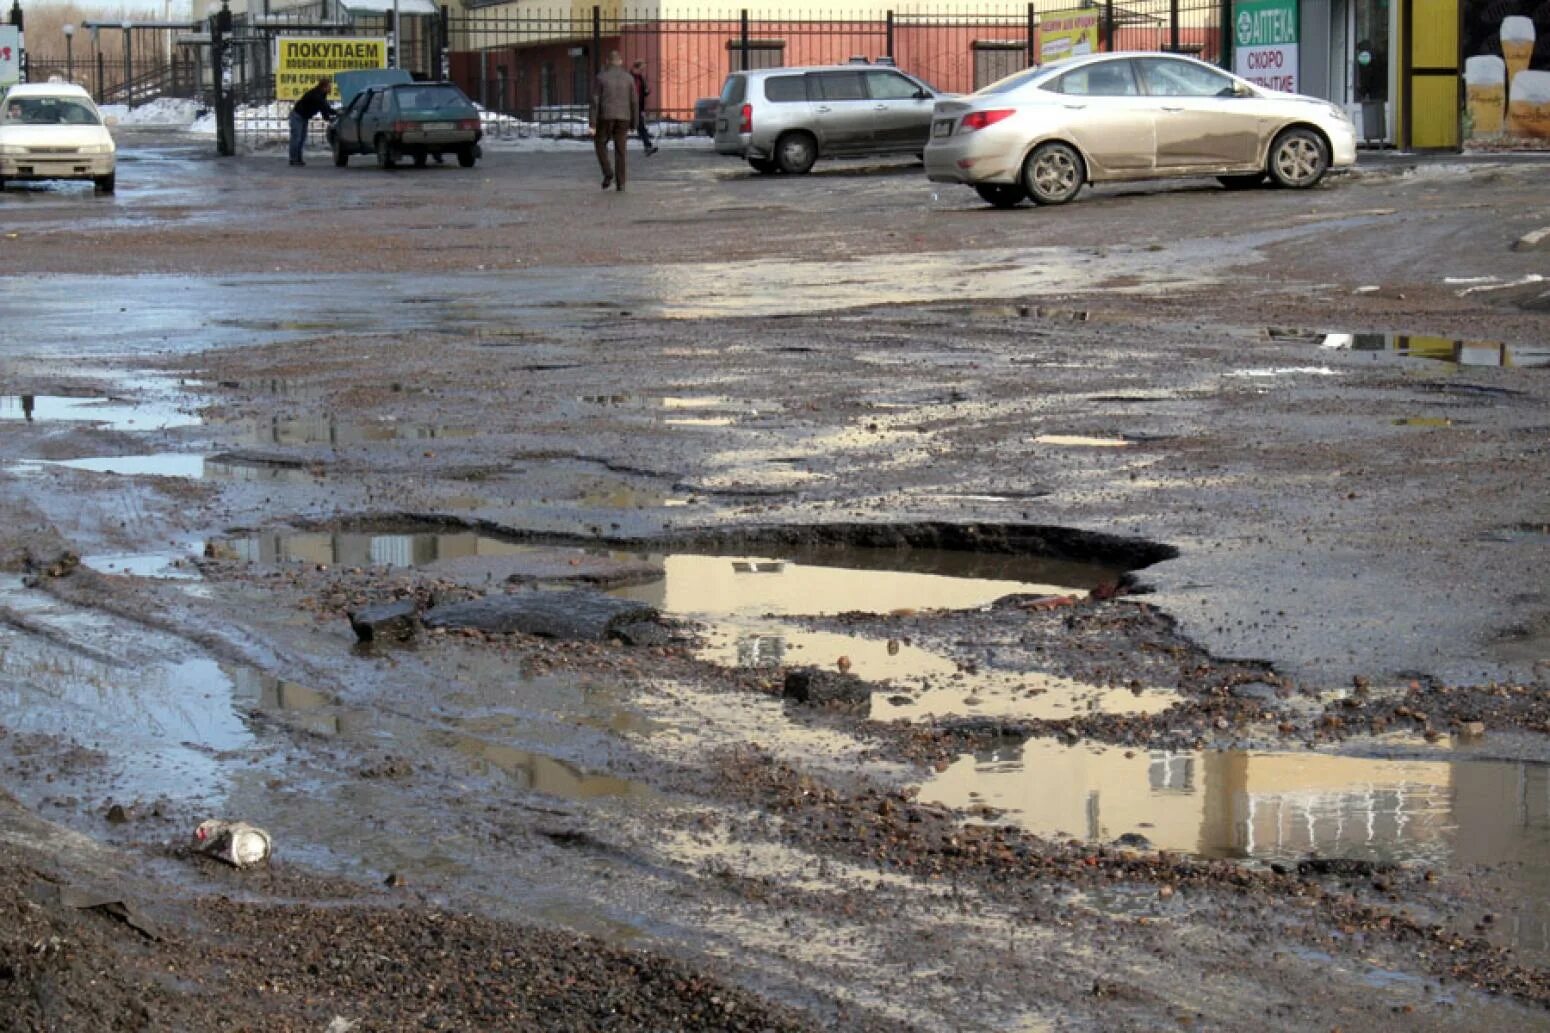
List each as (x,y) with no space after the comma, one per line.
(1176,557)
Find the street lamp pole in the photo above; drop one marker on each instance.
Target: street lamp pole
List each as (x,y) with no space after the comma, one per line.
(69,31)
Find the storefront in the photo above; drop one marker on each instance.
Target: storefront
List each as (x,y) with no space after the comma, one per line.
(1335,49)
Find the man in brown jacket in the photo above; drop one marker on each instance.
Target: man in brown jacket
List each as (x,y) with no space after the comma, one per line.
(615,108)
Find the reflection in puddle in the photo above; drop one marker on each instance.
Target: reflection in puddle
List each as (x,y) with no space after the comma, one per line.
(328,430)
(175,564)
(117,415)
(1455,351)
(540,773)
(1277,806)
(814,582)
(920,683)
(307,709)
(262,473)
(165,464)
(1078,441)
(362,548)
(742,597)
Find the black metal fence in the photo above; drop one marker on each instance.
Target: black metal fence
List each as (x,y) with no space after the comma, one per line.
(535,68)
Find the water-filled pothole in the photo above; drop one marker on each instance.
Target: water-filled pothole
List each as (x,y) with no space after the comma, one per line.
(1451,350)
(114,413)
(330,430)
(742,601)
(162,464)
(1275,807)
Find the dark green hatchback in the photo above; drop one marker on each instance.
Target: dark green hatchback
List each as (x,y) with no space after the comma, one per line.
(416,120)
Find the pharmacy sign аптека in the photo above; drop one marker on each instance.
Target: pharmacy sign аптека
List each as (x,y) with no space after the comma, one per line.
(1265,43)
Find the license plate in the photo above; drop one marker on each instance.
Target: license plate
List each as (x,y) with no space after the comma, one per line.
(943,127)
(440,127)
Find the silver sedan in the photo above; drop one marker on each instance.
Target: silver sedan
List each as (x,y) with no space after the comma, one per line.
(1044,132)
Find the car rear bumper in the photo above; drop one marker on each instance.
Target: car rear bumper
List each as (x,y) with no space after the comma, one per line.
(446,139)
(82,166)
(974,158)
(737,146)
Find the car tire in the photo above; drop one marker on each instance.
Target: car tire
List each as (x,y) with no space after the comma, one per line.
(386,159)
(105,184)
(1298,159)
(1054,173)
(2,182)
(1248,182)
(467,155)
(341,156)
(795,153)
(1002,195)
(763,166)
(420,158)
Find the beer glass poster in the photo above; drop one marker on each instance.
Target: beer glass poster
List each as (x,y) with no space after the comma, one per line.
(1507,71)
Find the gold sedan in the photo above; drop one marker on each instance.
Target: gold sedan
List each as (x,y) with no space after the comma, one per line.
(1045,132)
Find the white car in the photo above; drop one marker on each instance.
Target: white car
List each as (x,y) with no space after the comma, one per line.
(1044,132)
(54,131)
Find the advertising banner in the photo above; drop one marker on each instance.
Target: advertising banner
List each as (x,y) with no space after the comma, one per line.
(1064,34)
(10,56)
(1265,43)
(1507,73)
(300,61)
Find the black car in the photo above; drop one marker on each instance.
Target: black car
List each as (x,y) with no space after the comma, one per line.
(417,120)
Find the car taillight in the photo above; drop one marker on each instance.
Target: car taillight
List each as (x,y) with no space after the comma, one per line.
(402,127)
(468,123)
(746,125)
(980,119)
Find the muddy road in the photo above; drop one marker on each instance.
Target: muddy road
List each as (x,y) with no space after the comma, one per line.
(1164,574)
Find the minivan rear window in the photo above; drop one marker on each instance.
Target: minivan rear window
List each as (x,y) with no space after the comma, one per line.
(785,88)
(733,92)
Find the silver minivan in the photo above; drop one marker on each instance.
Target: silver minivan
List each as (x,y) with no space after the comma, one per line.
(787,118)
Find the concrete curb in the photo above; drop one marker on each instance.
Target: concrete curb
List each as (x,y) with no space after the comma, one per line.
(1534,241)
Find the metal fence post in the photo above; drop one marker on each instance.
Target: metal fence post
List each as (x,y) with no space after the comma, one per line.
(1108,24)
(1173,25)
(597,40)
(1033,31)
(890,34)
(1225,16)
(102,80)
(743,39)
(444,51)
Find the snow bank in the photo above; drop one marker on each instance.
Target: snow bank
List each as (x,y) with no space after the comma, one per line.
(163,111)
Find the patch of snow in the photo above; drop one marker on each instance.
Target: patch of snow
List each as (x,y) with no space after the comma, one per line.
(163,111)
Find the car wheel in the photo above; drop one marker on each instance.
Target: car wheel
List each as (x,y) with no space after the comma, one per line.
(1248,182)
(467,155)
(1002,195)
(420,158)
(2,182)
(341,156)
(1053,173)
(796,152)
(386,159)
(1298,159)
(763,166)
(105,184)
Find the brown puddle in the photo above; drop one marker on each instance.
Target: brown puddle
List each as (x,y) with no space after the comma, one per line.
(364,548)
(743,598)
(1447,814)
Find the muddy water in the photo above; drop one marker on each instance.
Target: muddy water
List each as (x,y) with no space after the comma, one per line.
(161,464)
(1448,814)
(329,430)
(742,600)
(182,313)
(363,548)
(114,414)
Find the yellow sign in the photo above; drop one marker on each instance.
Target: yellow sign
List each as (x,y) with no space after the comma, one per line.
(1064,34)
(300,61)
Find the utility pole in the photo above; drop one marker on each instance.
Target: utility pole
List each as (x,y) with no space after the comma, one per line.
(225,109)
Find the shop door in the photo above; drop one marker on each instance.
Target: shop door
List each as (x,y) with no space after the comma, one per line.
(1429,75)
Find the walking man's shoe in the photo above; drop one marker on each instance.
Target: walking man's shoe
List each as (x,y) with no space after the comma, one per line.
(608,181)
(652,150)
(298,163)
